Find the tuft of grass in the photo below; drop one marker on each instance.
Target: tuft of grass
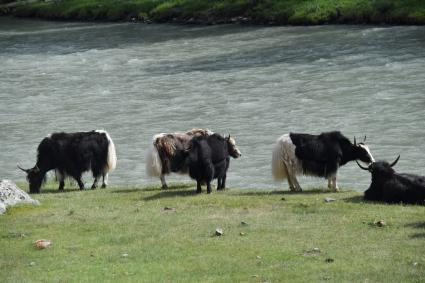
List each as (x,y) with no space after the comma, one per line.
(145,234)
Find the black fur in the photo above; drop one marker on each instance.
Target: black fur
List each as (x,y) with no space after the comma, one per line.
(322,155)
(208,159)
(391,187)
(70,154)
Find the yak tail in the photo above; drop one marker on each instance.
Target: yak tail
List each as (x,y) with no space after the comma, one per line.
(111,160)
(278,165)
(153,162)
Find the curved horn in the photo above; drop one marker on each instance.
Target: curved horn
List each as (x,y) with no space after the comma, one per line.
(364,140)
(395,161)
(25,170)
(364,168)
(355,140)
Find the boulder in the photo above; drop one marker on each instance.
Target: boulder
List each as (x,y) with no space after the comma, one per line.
(10,195)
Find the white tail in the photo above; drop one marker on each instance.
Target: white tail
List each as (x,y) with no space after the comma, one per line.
(112,155)
(153,162)
(278,165)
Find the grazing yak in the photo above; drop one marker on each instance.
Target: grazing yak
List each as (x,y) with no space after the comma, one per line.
(392,187)
(71,154)
(209,158)
(166,153)
(315,155)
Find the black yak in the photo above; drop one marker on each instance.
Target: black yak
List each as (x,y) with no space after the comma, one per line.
(392,187)
(315,155)
(71,154)
(209,158)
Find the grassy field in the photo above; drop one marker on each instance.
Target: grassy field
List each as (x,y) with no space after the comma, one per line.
(144,234)
(293,12)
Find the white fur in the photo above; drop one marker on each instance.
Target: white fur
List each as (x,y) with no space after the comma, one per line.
(153,162)
(284,161)
(112,155)
(365,147)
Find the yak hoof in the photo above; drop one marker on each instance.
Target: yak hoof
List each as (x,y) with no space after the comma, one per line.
(164,187)
(93,187)
(103,186)
(198,191)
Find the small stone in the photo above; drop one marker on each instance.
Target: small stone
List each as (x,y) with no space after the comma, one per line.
(329,199)
(32,263)
(124,255)
(254,276)
(317,250)
(415,263)
(329,260)
(242,233)
(169,209)
(283,199)
(258,257)
(244,223)
(380,223)
(42,244)
(219,232)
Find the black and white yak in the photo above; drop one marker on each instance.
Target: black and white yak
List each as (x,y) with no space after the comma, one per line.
(315,155)
(166,153)
(209,158)
(392,187)
(71,154)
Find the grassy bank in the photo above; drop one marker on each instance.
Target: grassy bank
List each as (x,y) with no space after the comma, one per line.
(292,12)
(147,235)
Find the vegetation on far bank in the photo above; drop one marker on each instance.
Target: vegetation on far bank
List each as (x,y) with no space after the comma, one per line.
(292,12)
(146,234)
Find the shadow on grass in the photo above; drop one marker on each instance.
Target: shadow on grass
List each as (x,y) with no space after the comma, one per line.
(169,194)
(279,192)
(355,199)
(418,225)
(417,236)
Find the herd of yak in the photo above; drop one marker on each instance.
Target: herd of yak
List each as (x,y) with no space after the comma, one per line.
(205,156)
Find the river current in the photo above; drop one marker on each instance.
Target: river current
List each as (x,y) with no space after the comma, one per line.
(254,82)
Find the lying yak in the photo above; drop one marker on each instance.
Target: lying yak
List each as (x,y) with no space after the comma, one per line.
(392,187)
(71,154)
(209,158)
(166,153)
(315,155)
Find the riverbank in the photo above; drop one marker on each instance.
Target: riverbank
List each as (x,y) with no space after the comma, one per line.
(283,12)
(144,234)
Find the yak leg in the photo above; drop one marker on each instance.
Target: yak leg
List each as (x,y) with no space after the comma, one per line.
(80,183)
(292,179)
(219,183)
(223,182)
(198,187)
(208,187)
(330,183)
(96,179)
(163,183)
(61,178)
(335,184)
(104,180)
(288,177)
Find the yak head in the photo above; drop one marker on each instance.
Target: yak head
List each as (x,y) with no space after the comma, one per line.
(34,177)
(362,152)
(380,168)
(231,145)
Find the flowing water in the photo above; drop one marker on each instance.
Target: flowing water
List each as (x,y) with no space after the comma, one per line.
(256,83)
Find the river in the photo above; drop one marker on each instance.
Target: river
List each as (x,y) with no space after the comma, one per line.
(254,82)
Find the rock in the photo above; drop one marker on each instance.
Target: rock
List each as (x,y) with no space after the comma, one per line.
(244,223)
(32,263)
(380,223)
(415,263)
(42,244)
(329,199)
(242,233)
(11,195)
(283,199)
(124,255)
(219,232)
(169,209)
(329,260)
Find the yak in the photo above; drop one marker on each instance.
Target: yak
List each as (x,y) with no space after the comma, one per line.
(71,154)
(392,187)
(209,158)
(315,155)
(166,153)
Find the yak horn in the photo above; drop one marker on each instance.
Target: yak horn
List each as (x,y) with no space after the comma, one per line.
(355,140)
(364,168)
(395,161)
(364,140)
(25,170)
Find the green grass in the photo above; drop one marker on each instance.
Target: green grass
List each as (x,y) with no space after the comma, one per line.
(304,12)
(93,230)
